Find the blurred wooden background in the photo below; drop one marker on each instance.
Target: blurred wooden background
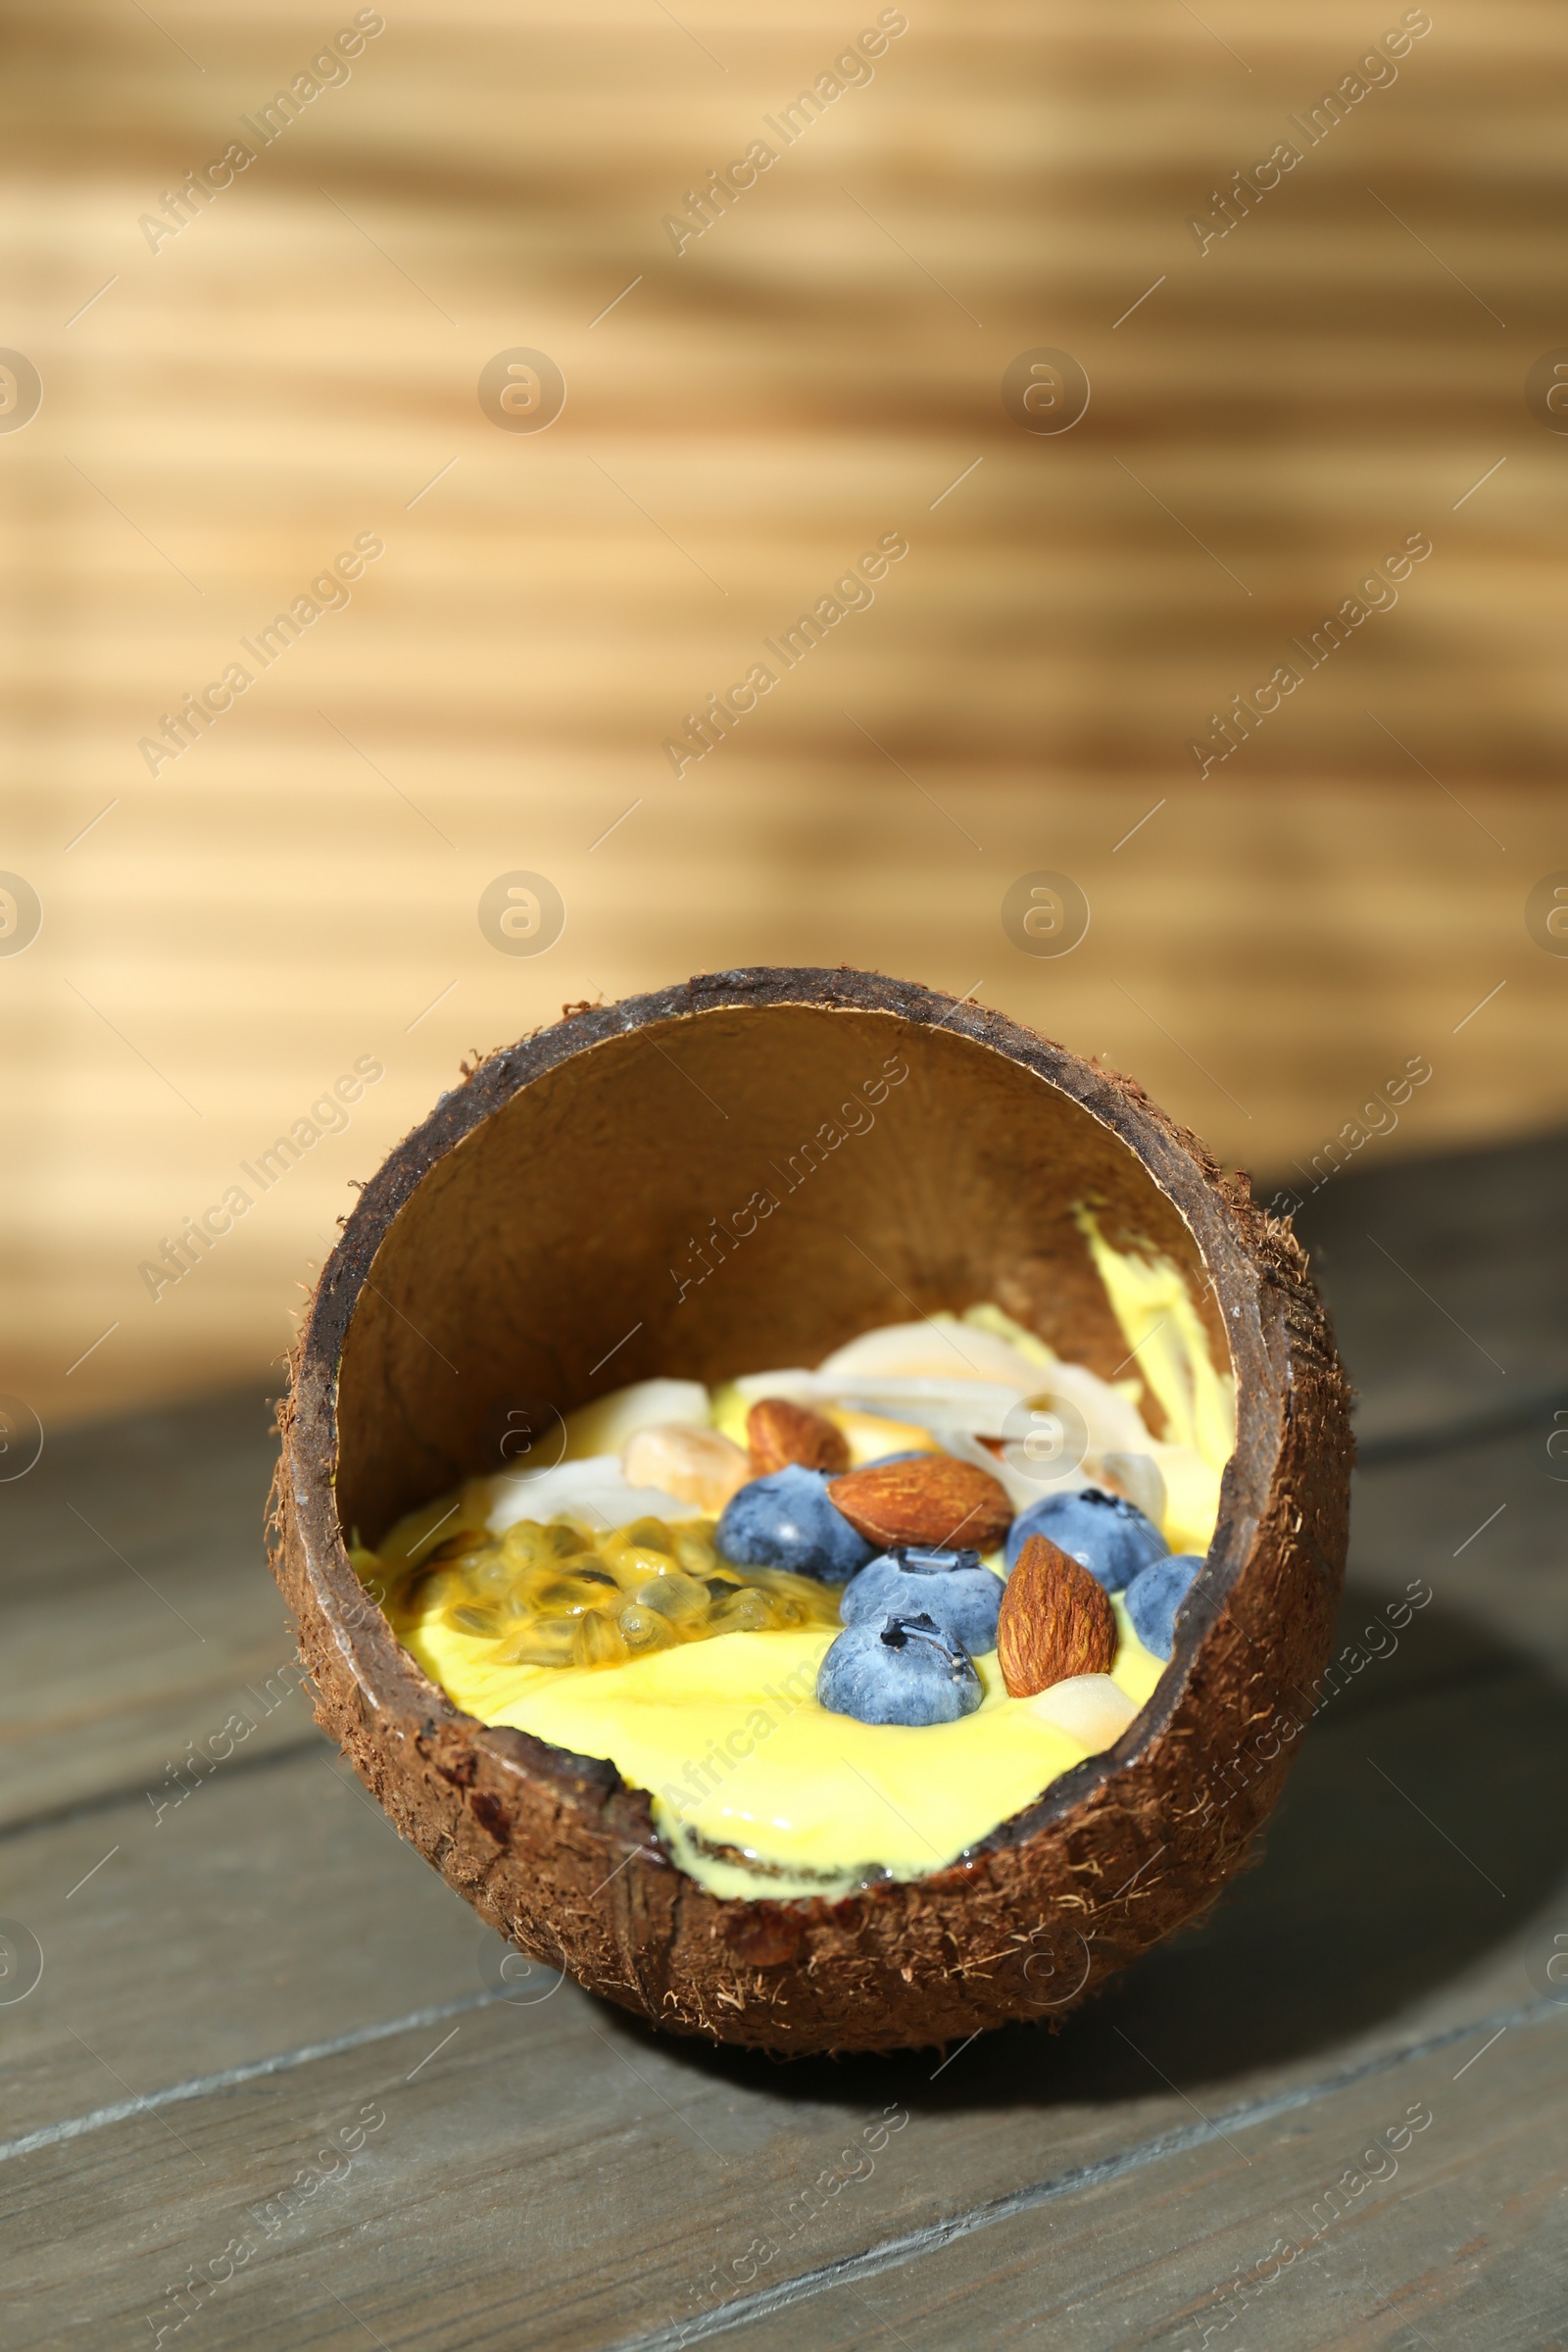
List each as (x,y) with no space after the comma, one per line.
(299,364)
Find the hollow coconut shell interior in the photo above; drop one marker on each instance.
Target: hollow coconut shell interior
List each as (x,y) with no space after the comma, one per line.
(535,1237)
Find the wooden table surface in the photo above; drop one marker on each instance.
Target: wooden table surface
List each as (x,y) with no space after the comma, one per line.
(270,2048)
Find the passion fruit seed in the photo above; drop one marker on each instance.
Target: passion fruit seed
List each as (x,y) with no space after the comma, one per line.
(570,1595)
(743,1611)
(545,1642)
(676,1596)
(598,1640)
(645,1629)
(487,1624)
(558,1596)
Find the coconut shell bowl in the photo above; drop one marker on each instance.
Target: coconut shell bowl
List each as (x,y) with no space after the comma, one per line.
(585,1212)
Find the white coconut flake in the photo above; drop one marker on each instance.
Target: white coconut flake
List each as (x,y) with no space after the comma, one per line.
(610,1423)
(939,1348)
(592,1490)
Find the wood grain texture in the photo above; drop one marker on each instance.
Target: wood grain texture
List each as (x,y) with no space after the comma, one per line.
(549,2174)
(1272,2244)
(300,362)
(145,1550)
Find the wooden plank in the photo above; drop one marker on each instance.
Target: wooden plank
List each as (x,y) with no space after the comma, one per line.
(594,2183)
(1485,1645)
(559,2178)
(551,2172)
(1307,2236)
(1485,1525)
(563,2146)
(278,1907)
(140,1622)
(1448,1283)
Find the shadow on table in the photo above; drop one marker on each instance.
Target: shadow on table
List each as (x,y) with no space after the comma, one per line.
(1424,1824)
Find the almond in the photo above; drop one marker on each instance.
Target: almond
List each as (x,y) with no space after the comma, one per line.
(1056,1620)
(932,1500)
(778,1433)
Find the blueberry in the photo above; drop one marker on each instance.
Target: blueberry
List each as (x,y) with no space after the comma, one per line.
(899,1670)
(954,1588)
(785,1520)
(1104,1533)
(1155,1599)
